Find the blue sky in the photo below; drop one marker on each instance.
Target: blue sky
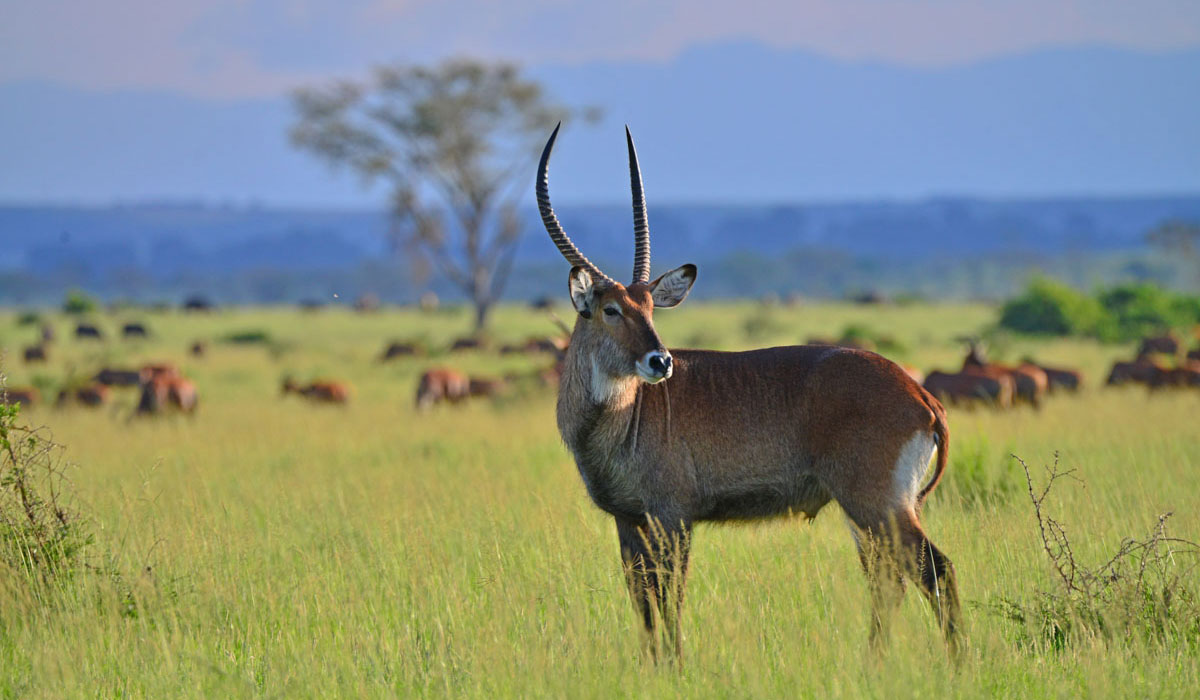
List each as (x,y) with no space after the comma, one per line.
(239,48)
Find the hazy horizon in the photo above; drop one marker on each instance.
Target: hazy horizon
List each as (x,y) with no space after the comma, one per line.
(821,101)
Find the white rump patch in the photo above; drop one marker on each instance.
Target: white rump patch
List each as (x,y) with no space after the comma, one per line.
(911,467)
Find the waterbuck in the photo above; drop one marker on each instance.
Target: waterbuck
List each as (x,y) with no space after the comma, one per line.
(666,439)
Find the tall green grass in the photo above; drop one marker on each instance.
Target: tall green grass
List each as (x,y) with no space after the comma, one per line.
(269,547)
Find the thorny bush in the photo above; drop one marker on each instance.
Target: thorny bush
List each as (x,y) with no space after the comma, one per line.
(1146,590)
(41,536)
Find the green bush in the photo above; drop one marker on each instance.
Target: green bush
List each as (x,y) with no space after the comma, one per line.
(79,303)
(29,318)
(1052,308)
(248,337)
(1137,310)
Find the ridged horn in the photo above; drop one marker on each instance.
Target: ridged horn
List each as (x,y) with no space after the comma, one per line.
(555,229)
(641,228)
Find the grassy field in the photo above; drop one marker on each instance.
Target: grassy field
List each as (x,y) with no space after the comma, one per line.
(269,547)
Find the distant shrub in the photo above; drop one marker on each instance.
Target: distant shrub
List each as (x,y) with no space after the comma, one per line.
(1137,310)
(1051,308)
(762,324)
(864,336)
(1117,314)
(248,337)
(29,318)
(1186,309)
(79,303)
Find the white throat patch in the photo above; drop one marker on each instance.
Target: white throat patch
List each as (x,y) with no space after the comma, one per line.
(606,389)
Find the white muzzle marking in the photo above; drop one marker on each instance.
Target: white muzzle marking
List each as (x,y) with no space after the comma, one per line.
(654,367)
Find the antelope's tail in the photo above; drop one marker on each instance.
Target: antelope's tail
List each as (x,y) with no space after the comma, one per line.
(941,435)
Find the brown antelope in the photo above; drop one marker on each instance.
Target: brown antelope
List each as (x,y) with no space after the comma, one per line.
(1165,344)
(1142,370)
(666,439)
(118,377)
(1029,380)
(462,344)
(995,389)
(441,384)
(320,391)
(1059,378)
(164,389)
(35,353)
(485,386)
(20,396)
(1187,374)
(398,349)
(86,330)
(95,394)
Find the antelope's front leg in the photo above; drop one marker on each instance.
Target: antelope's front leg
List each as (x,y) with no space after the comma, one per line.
(655,557)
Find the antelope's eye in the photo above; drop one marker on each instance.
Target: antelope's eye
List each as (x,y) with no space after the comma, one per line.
(611,311)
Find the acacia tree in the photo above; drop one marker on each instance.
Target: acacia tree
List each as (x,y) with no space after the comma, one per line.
(452,142)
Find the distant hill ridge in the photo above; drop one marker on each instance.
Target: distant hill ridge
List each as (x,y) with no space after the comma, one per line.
(169,239)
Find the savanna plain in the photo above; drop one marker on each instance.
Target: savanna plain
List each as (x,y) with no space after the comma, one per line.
(269,546)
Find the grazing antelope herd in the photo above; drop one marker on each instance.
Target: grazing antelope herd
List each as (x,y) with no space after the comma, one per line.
(665,439)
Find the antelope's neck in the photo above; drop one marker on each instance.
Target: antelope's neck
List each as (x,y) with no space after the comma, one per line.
(595,410)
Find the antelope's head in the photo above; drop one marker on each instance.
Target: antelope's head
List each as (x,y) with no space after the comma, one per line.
(618,319)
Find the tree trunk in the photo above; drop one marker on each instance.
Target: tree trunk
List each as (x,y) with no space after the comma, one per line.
(483,308)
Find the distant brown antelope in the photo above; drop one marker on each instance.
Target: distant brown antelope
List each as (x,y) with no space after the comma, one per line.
(665,439)
(1142,370)
(1030,381)
(35,353)
(1059,378)
(159,370)
(534,345)
(441,384)
(1165,344)
(161,391)
(398,349)
(198,348)
(485,387)
(134,330)
(86,330)
(47,333)
(118,377)
(1185,375)
(466,344)
(995,389)
(20,396)
(93,395)
(321,391)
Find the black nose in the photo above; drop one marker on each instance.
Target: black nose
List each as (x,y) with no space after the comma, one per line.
(661,364)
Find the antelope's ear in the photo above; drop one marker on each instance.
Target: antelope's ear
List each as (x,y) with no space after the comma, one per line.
(580,284)
(670,289)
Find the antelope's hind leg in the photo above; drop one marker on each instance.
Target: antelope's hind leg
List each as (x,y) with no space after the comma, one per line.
(891,543)
(655,558)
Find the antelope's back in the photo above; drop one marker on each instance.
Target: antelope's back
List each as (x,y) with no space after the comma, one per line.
(745,412)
